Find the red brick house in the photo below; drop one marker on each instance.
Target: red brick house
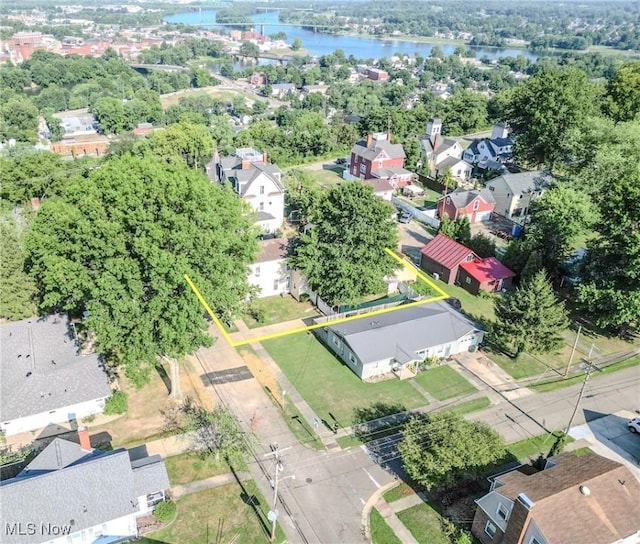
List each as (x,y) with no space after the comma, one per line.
(442,256)
(575,499)
(376,74)
(379,158)
(477,205)
(484,275)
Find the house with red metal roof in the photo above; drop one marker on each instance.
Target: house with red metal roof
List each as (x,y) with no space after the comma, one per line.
(442,257)
(484,275)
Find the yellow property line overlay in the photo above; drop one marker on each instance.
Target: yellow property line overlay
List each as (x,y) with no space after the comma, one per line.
(441,295)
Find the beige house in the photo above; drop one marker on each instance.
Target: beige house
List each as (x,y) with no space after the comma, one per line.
(514,193)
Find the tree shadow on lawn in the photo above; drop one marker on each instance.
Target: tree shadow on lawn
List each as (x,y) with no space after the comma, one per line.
(251,500)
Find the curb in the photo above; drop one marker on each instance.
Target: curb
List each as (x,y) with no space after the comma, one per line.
(366,510)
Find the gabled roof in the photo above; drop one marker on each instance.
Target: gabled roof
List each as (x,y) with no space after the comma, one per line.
(606,510)
(443,144)
(96,488)
(501,142)
(523,182)
(446,251)
(488,269)
(393,151)
(42,368)
(402,333)
(379,185)
(390,171)
(243,179)
(450,162)
(273,249)
(461,199)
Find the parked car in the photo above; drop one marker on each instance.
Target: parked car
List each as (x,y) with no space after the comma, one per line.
(634,425)
(405,217)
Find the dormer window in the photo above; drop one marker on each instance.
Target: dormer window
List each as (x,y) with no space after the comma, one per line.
(503,512)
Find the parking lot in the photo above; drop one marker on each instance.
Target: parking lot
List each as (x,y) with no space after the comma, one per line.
(609,436)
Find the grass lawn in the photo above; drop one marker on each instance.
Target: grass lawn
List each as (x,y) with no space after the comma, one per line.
(530,365)
(191,466)
(231,513)
(331,387)
(326,178)
(478,308)
(562,382)
(431,198)
(278,309)
(531,448)
(424,523)
(381,533)
(470,406)
(225,95)
(442,382)
(398,492)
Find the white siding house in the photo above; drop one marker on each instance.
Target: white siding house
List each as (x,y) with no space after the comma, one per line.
(270,273)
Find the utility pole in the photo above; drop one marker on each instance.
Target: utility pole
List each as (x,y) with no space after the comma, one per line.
(587,375)
(272,516)
(573,351)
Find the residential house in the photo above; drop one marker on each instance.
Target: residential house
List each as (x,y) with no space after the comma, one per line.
(477,205)
(484,275)
(441,154)
(45,378)
(254,180)
(486,152)
(283,90)
(376,74)
(379,158)
(72,493)
(270,272)
(514,193)
(575,499)
(381,188)
(376,345)
(442,256)
(319,88)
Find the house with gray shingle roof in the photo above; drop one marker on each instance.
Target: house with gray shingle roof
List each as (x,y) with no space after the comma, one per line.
(514,193)
(442,155)
(254,180)
(45,379)
(376,345)
(72,494)
(378,158)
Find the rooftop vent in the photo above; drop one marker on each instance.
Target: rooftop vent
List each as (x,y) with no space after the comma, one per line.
(585,490)
(525,501)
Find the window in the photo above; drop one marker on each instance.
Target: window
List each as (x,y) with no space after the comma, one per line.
(534,540)
(257,270)
(261,189)
(491,188)
(363,167)
(491,529)
(476,204)
(275,285)
(335,340)
(352,358)
(468,280)
(503,512)
(261,207)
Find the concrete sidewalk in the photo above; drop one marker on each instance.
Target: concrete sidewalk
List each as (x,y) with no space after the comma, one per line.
(245,333)
(209,483)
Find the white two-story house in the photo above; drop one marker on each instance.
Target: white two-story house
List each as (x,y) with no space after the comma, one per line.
(270,273)
(256,181)
(442,155)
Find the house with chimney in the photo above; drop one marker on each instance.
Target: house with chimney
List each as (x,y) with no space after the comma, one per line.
(46,379)
(514,193)
(491,152)
(477,205)
(256,181)
(441,155)
(574,499)
(73,493)
(378,158)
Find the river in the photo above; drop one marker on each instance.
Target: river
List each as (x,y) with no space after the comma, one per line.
(318,43)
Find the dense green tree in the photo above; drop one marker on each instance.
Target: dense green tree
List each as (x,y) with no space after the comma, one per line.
(18,120)
(482,245)
(530,318)
(558,220)
(442,448)
(623,93)
(200,77)
(109,113)
(459,230)
(191,143)
(303,195)
(118,244)
(533,265)
(296,45)
(343,256)
(17,289)
(543,109)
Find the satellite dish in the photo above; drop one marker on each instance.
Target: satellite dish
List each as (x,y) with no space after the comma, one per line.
(272,515)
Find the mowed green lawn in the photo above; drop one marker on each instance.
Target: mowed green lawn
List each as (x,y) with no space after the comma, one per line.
(425,524)
(442,383)
(331,387)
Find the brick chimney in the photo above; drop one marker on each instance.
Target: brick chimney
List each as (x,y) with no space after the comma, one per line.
(369,140)
(519,520)
(246,164)
(436,142)
(85,441)
(264,157)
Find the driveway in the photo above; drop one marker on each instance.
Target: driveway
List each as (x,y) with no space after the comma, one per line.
(413,237)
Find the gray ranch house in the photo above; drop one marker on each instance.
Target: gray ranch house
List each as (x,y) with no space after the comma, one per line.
(376,345)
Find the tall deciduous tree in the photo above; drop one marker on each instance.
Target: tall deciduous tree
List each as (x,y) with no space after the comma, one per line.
(543,109)
(442,448)
(530,318)
(623,93)
(192,143)
(557,220)
(118,244)
(343,256)
(18,120)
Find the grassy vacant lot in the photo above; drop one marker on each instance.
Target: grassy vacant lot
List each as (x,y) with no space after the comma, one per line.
(278,309)
(226,95)
(424,523)
(191,466)
(442,382)
(326,178)
(231,513)
(331,387)
(381,533)
(531,448)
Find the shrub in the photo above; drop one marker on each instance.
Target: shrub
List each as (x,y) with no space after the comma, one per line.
(165,511)
(116,404)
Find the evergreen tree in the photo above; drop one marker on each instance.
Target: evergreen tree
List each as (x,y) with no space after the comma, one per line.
(530,318)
